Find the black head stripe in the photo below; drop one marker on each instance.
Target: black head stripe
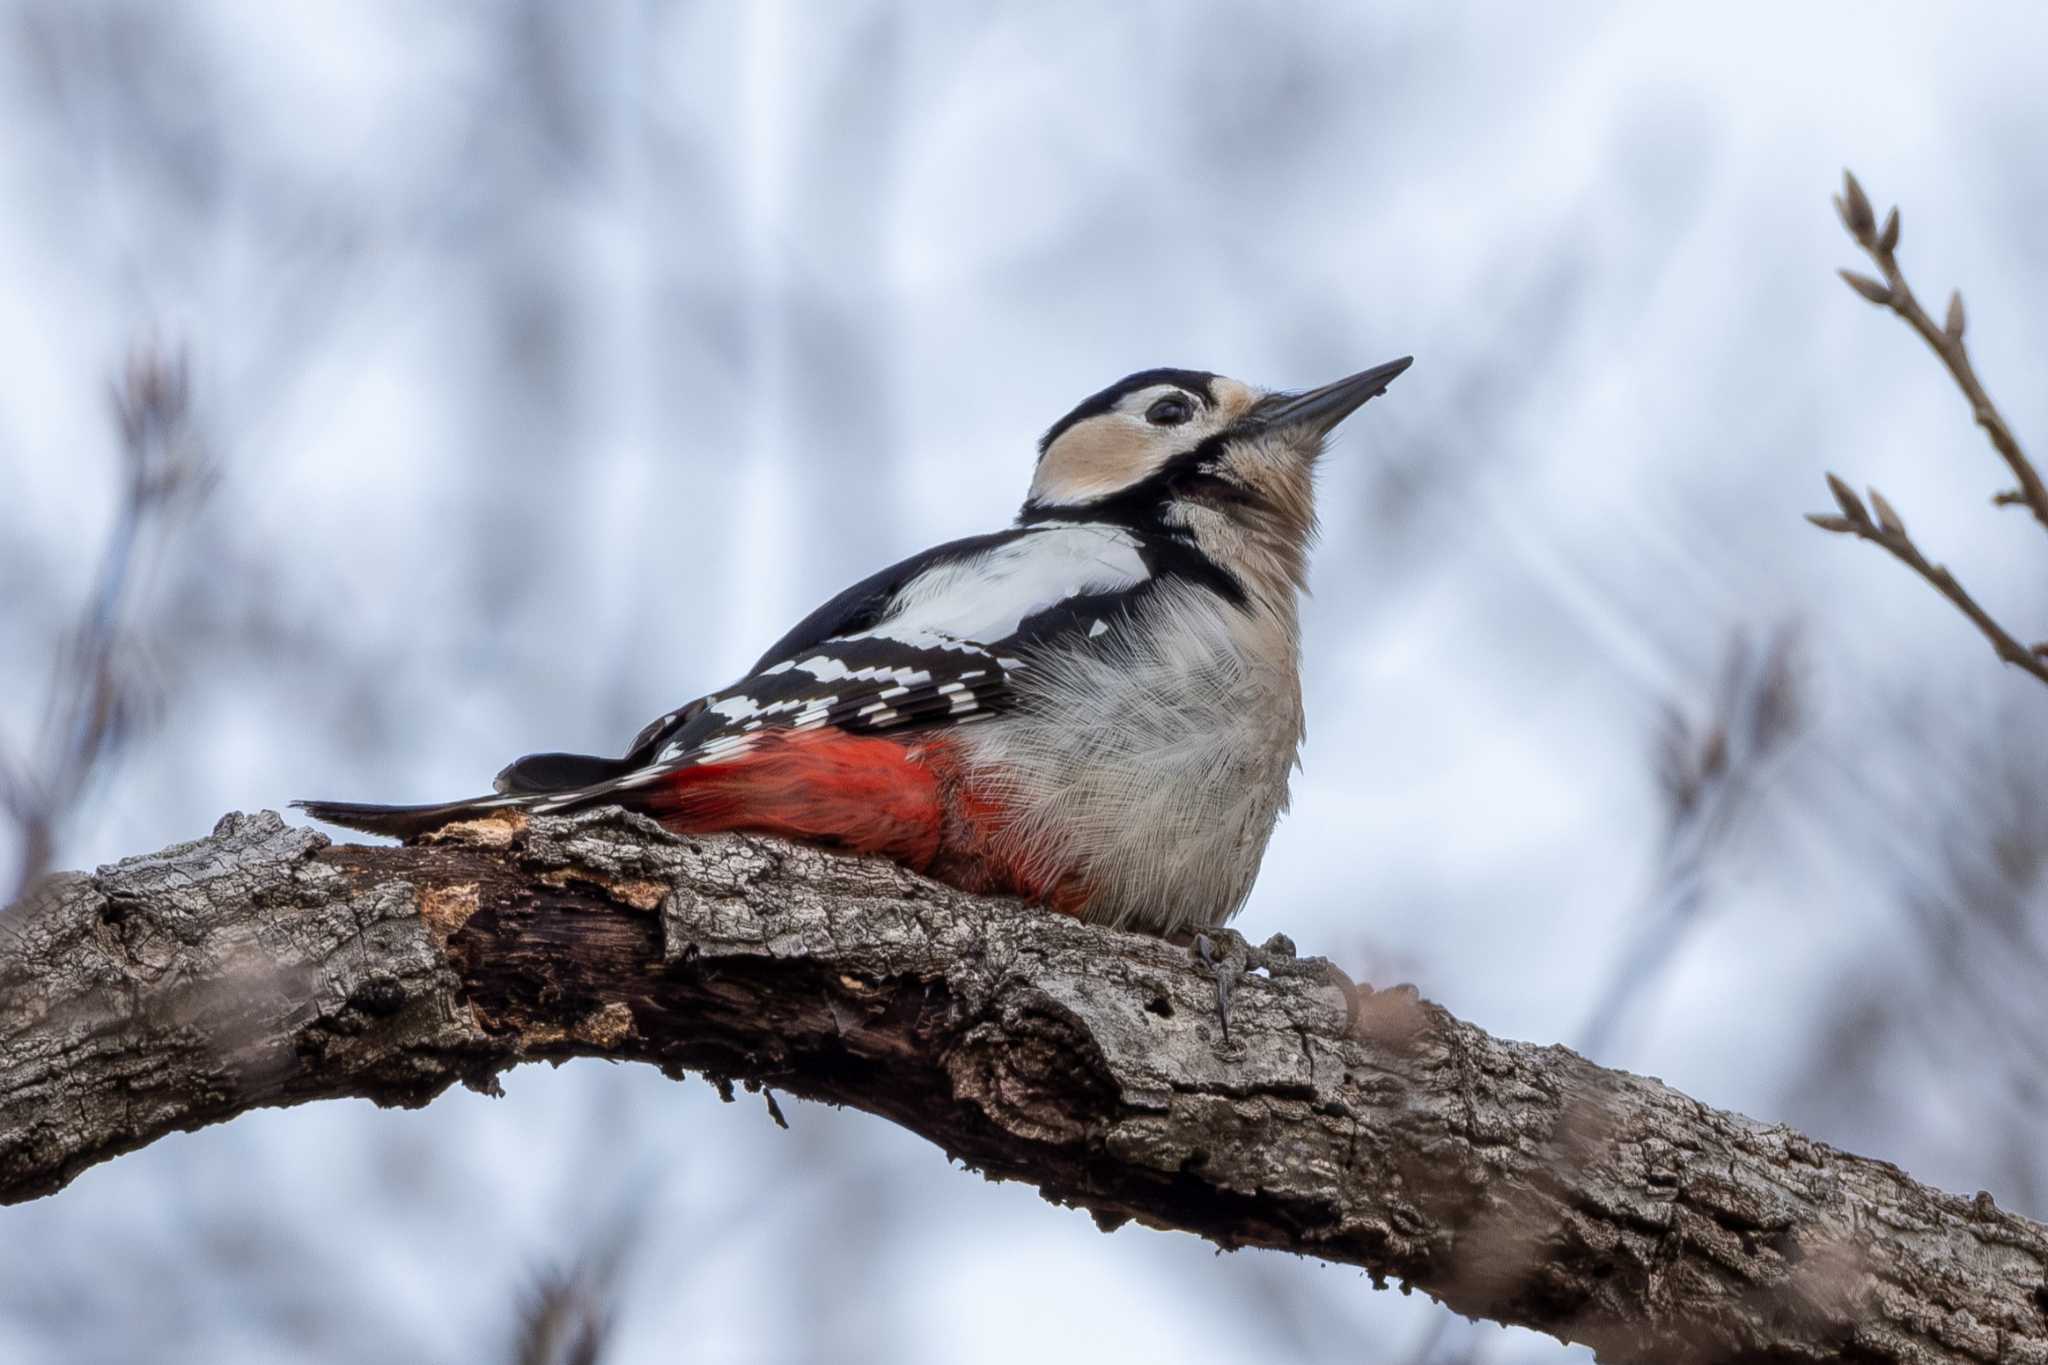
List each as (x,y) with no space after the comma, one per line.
(1194,381)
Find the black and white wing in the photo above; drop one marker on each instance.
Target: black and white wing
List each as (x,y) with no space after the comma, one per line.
(940,639)
(858,608)
(937,640)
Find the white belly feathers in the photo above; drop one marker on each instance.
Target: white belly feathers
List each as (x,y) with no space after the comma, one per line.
(1152,762)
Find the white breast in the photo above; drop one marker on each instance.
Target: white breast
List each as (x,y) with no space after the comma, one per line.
(1153,761)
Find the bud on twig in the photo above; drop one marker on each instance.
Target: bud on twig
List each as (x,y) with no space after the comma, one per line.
(1828,521)
(1886,517)
(1867,287)
(1855,208)
(1846,499)
(1954,325)
(1889,238)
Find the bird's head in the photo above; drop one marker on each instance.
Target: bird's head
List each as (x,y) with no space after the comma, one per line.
(1195,455)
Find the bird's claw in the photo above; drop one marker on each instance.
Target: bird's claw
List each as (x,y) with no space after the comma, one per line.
(1276,957)
(1227,969)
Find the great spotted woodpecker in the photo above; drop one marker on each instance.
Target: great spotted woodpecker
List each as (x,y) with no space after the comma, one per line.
(1096,709)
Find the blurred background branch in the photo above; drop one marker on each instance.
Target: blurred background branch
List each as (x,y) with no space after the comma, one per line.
(98,697)
(569,1313)
(1711,772)
(1887,529)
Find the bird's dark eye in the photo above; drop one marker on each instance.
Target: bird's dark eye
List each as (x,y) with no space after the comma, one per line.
(1169,411)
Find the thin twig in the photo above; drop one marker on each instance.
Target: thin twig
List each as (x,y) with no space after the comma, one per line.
(1890,533)
(1881,245)
(1887,530)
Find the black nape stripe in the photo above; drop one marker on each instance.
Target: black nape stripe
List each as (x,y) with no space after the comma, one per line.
(1171,557)
(1196,382)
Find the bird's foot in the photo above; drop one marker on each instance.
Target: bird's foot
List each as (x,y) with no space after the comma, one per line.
(1278,957)
(1228,966)
(1228,957)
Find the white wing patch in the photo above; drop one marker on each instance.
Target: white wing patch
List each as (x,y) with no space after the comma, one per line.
(987,597)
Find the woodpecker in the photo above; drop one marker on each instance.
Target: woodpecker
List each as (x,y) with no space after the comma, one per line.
(1097,709)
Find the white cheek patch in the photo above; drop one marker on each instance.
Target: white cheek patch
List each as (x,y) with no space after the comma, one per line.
(1111,451)
(1097,457)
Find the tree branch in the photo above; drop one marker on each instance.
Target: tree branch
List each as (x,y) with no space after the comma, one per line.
(263,966)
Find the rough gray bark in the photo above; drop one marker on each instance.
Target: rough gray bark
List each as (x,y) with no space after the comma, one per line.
(265,966)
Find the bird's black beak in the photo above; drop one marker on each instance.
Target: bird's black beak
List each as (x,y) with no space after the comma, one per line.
(1321,409)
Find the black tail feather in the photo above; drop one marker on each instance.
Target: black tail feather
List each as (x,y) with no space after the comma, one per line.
(399,822)
(522,781)
(537,774)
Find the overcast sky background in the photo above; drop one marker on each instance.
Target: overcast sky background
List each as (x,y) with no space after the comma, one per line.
(555,358)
